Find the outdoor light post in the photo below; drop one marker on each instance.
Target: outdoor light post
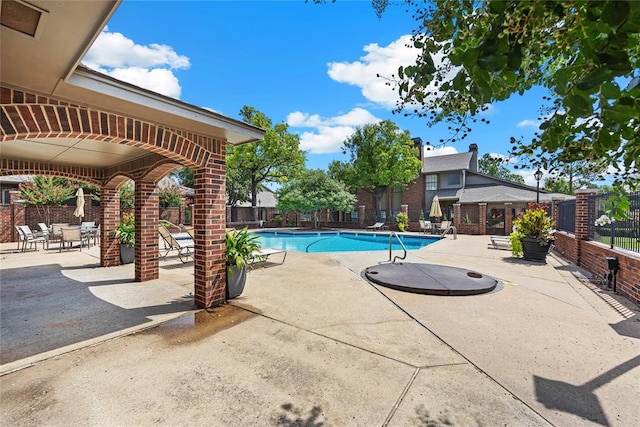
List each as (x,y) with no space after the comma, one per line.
(538,176)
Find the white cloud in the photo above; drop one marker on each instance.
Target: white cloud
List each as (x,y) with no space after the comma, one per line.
(329,132)
(528,124)
(149,67)
(383,61)
(431,151)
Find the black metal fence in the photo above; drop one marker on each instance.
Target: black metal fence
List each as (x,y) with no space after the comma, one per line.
(567,216)
(623,234)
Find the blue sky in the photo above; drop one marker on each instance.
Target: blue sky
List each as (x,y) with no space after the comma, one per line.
(312,66)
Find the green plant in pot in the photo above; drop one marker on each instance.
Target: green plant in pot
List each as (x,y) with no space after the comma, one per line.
(126,235)
(240,248)
(402,221)
(532,235)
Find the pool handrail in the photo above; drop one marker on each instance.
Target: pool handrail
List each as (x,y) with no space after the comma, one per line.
(391,235)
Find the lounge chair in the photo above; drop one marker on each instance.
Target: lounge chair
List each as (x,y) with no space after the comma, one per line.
(44,232)
(500,242)
(181,242)
(263,254)
(70,235)
(446,227)
(378,226)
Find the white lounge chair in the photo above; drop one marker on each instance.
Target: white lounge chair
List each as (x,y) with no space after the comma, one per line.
(500,242)
(27,236)
(378,226)
(264,253)
(425,226)
(446,227)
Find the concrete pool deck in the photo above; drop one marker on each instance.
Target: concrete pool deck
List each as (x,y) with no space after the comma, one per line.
(311,342)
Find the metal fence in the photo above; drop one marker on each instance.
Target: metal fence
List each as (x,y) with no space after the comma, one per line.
(567,216)
(623,234)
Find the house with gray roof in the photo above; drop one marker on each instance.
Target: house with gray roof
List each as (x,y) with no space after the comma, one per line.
(477,203)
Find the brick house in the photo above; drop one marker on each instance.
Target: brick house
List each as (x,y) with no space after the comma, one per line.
(477,203)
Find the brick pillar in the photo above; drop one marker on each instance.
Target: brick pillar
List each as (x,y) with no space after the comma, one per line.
(554,210)
(146,213)
(508,218)
(209,223)
(18,214)
(482,217)
(456,215)
(404,209)
(361,211)
(582,218)
(109,220)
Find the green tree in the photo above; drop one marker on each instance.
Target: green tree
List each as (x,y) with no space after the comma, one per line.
(127,196)
(170,197)
(493,166)
(557,185)
(184,175)
(43,192)
(382,157)
(313,191)
(586,53)
(275,159)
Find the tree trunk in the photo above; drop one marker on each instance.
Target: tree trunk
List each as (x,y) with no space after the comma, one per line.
(254,197)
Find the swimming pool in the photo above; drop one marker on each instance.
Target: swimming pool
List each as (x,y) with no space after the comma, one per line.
(338,241)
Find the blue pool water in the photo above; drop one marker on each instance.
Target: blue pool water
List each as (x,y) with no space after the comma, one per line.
(338,241)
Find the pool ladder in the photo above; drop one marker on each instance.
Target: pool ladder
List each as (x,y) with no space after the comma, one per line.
(404,248)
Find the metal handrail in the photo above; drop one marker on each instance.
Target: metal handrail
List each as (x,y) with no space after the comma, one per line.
(393,233)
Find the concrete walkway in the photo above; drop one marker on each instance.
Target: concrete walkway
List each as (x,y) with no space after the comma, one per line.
(311,343)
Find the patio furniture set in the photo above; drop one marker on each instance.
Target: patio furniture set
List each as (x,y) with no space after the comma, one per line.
(66,234)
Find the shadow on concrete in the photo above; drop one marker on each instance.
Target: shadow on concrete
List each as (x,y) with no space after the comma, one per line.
(580,400)
(628,327)
(41,309)
(426,420)
(291,416)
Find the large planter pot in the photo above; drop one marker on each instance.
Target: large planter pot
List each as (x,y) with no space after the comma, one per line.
(236,278)
(534,251)
(127,254)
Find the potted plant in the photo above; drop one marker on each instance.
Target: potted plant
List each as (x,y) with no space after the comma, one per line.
(402,221)
(240,248)
(532,235)
(126,235)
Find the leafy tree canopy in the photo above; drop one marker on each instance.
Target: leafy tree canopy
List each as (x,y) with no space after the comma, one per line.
(45,191)
(275,159)
(586,53)
(313,191)
(493,166)
(184,175)
(382,157)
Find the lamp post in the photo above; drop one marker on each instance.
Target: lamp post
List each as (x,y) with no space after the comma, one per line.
(538,176)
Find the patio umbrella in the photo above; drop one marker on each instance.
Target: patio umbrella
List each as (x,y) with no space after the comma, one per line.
(79,212)
(435,211)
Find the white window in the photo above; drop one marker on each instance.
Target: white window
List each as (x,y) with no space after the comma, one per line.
(431,182)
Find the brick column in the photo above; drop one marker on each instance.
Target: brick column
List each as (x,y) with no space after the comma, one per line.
(109,220)
(508,218)
(146,213)
(361,211)
(482,217)
(456,215)
(18,214)
(209,223)
(404,209)
(554,210)
(582,212)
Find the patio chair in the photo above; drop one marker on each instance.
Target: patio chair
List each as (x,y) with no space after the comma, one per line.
(446,227)
(56,230)
(44,232)
(378,226)
(90,229)
(30,238)
(425,226)
(181,242)
(70,235)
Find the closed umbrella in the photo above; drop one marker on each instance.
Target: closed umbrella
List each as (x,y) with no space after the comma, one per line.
(79,212)
(436,211)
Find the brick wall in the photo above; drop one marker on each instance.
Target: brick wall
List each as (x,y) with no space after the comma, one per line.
(413,197)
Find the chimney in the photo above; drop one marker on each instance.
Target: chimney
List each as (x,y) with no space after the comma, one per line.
(473,164)
(417,143)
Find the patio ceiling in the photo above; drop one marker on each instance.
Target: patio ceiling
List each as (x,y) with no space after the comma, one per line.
(43,43)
